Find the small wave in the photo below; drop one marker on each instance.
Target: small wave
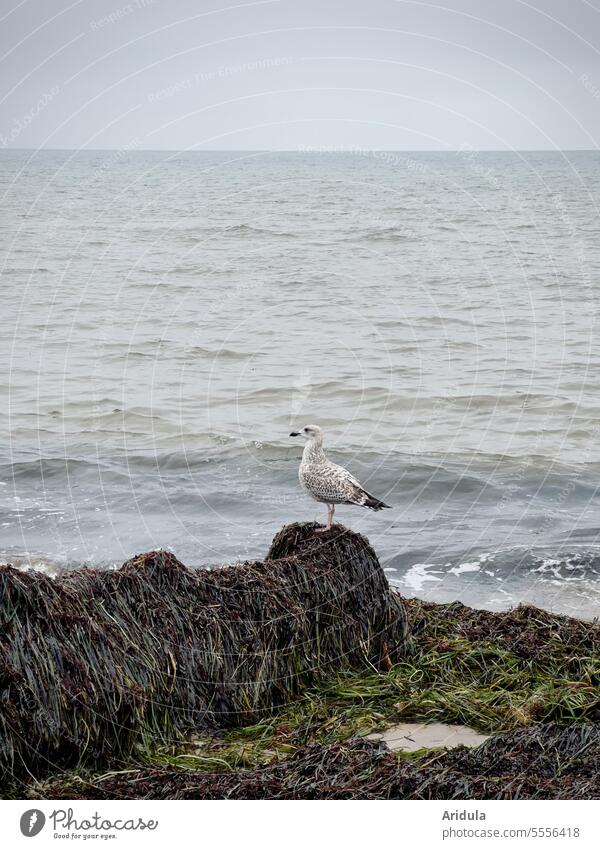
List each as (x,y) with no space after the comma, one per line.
(382,234)
(236,230)
(221,353)
(577,568)
(472,565)
(26,563)
(419,574)
(46,467)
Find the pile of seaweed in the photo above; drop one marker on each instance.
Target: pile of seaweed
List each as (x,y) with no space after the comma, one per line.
(545,762)
(97,664)
(527,676)
(263,680)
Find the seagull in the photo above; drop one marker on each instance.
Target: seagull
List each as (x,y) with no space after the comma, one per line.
(326,481)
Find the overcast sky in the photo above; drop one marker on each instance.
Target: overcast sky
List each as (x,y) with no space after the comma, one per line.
(290,74)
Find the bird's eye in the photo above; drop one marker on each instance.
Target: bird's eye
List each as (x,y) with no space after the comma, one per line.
(305,430)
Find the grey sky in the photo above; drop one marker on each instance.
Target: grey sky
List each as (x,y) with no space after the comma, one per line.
(288,74)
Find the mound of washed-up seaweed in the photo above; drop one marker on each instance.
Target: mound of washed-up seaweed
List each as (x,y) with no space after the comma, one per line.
(95,663)
(545,762)
(526,671)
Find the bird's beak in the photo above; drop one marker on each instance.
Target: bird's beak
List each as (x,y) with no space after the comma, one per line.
(295,433)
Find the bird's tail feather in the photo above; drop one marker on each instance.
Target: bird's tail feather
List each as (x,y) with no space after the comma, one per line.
(374,503)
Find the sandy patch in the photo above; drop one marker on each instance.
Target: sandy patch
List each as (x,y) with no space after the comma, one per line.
(410,736)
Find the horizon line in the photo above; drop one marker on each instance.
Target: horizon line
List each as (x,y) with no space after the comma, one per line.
(308,149)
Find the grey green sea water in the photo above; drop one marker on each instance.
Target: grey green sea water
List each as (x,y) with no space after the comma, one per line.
(168,318)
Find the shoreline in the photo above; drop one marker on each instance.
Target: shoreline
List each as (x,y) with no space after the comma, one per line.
(526,678)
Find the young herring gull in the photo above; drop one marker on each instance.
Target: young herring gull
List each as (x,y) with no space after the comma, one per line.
(326,481)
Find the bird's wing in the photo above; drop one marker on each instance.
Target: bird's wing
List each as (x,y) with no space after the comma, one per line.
(353,489)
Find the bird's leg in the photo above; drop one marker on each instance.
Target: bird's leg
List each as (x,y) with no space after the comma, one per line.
(329,520)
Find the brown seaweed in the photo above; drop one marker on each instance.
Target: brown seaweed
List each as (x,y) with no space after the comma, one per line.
(544,762)
(96,663)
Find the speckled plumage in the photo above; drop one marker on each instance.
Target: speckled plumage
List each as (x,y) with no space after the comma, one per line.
(326,481)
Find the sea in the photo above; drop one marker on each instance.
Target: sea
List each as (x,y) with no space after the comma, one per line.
(169,317)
